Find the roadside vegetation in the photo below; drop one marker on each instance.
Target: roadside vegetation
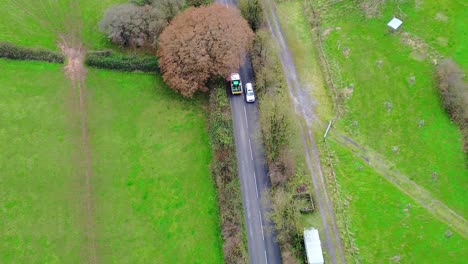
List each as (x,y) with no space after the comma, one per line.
(282,142)
(224,173)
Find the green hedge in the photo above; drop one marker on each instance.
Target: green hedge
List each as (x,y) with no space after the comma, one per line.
(98,59)
(11,51)
(109,60)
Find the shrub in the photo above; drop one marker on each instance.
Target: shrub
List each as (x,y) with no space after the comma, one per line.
(454,93)
(11,51)
(141,2)
(197,3)
(200,44)
(269,75)
(111,61)
(252,11)
(133,26)
(169,8)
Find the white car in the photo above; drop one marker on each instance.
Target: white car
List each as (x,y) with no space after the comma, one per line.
(249,93)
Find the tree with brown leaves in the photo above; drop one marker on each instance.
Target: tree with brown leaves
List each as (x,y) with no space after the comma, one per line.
(202,43)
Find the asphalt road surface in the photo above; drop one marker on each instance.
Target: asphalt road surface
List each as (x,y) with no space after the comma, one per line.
(261,237)
(254,180)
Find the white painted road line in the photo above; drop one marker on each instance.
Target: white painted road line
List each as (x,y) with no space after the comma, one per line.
(256,188)
(250,145)
(245,114)
(261,225)
(266,260)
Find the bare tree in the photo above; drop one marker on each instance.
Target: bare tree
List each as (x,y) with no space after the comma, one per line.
(133,26)
(169,8)
(201,43)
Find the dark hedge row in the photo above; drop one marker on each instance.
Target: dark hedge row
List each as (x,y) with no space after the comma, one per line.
(98,59)
(112,61)
(11,51)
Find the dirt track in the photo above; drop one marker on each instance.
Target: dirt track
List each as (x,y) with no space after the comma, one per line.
(76,72)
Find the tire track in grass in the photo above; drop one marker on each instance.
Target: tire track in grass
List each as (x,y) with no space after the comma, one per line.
(76,72)
(418,193)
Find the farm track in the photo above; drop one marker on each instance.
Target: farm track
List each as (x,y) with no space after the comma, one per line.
(71,47)
(418,193)
(304,105)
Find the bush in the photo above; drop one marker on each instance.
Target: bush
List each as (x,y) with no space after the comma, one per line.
(111,61)
(252,11)
(133,26)
(197,3)
(269,76)
(10,51)
(454,93)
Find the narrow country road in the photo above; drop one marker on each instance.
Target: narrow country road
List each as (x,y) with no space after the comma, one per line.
(261,237)
(304,105)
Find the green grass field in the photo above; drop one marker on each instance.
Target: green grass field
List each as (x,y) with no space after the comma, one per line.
(441,24)
(25,29)
(386,108)
(387,223)
(37,220)
(381,228)
(153,195)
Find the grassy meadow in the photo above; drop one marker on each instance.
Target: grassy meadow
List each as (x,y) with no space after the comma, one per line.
(153,196)
(394,109)
(38,218)
(30,23)
(388,225)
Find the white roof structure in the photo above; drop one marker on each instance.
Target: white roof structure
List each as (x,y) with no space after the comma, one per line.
(395,23)
(235,76)
(313,246)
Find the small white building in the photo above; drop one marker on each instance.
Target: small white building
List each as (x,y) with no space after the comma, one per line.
(395,23)
(313,246)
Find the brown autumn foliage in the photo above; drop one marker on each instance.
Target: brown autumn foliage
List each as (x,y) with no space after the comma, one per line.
(202,43)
